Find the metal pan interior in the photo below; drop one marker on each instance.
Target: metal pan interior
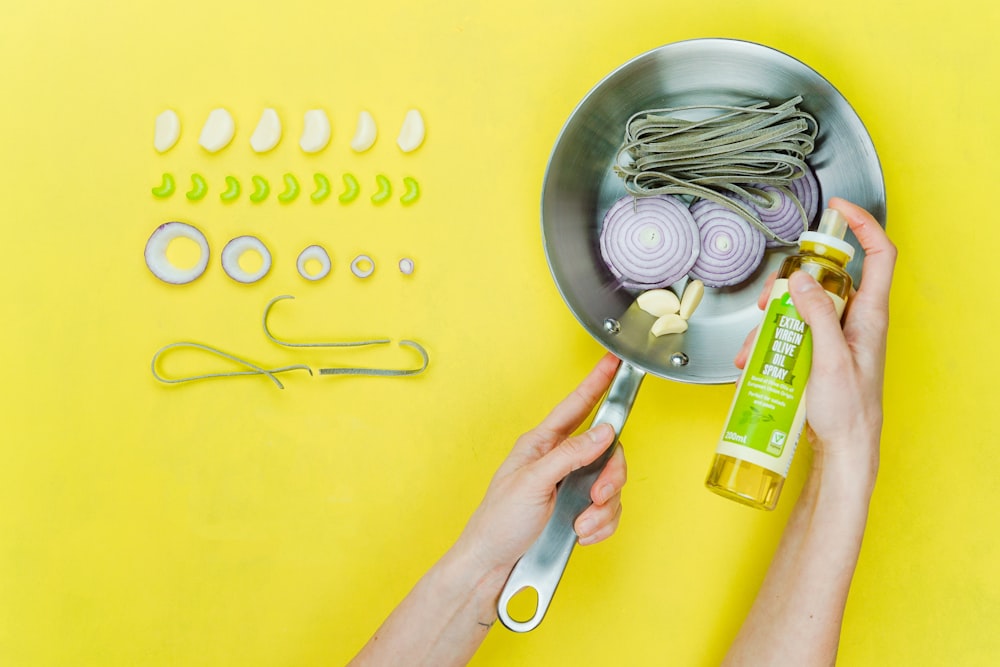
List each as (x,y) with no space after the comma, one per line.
(580,186)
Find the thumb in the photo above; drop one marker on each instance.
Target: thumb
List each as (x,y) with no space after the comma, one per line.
(574,453)
(817,310)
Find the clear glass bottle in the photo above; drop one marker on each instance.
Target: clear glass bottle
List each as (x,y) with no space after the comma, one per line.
(768,412)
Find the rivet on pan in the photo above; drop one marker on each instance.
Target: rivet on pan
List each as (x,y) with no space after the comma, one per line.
(678,359)
(612,326)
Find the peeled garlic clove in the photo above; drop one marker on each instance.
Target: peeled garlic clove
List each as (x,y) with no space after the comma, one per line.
(659,302)
(669,324)
(691,298)
(168,131)
(315,131)
(218,131)
(411,135)
(268,132)
(364,136)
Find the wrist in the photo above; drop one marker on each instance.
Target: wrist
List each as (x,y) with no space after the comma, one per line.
(482,581)
(847,475)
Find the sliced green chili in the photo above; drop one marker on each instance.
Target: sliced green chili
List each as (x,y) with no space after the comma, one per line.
(199,188)
(322,188)
(384,191)
(165,188)
(351,189)
(232,192)
(412,193)
(261,189)
(291,189)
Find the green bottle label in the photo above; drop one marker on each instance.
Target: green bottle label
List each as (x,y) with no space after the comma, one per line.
(768,412)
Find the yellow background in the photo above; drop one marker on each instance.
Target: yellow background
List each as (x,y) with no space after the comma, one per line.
(231,523)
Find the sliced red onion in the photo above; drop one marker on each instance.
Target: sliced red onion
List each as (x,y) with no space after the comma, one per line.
(231,259)
(363,266)
(731,248)
(156,253)
(784,217)
(318,253)
(649,242)
(807,190)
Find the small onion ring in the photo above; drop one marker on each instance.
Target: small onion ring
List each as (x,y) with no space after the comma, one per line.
(231,259)
(731,248)
(649,242)
(356,266)
(156,253)
(318,253)
(406,266)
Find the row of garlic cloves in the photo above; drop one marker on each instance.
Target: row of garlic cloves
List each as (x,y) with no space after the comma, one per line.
(220,128)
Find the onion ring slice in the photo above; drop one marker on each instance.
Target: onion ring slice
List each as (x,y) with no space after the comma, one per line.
(156,253)
(231,259)
(731,249)
(649,242)
(356,266)
(313,252)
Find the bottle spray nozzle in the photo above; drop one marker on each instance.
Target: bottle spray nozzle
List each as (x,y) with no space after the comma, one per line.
(833,223)
(830,233)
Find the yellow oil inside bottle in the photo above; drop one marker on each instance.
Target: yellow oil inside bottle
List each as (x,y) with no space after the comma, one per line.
(744,482)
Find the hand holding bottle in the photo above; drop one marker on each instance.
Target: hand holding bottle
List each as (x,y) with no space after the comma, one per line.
(844,398)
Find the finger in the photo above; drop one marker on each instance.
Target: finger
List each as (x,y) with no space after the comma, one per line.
(880,253)
(572,454)
(604,531)
(596,517)
(765,294)
(744,353)
(612,479)
(817,310)
(570,413)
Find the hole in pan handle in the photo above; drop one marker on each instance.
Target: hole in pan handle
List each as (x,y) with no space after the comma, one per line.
(542,565)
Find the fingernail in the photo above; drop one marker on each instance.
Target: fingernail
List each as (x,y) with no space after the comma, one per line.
(585,528)
(806,283)
(600,433)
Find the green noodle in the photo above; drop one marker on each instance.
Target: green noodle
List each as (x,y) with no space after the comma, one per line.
(723,157)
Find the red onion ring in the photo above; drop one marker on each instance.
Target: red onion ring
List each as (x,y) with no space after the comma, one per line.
(649,242)
(784,218)
(156,253)
(731,248)
(318,253)
(807,190)
(231,259)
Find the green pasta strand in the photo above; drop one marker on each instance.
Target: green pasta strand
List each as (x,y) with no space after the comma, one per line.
(723,156)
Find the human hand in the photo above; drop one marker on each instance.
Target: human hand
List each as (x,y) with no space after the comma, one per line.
(844,392)
(522,493)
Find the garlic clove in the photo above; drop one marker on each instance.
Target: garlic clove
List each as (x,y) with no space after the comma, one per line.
(218,131)
(365,134)
(167,131)
(268,132)
(669,324)
(411,135)
(315,131)
(659,302)
(693,293)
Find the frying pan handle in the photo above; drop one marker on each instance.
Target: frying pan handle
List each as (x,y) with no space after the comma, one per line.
(541,567)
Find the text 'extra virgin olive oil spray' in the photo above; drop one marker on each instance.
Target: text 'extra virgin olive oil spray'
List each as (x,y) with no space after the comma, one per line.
(768,412)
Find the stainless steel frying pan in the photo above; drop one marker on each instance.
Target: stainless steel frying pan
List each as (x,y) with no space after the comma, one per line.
(580,186)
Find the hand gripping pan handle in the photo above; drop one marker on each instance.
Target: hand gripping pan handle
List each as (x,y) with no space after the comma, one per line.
(542,565)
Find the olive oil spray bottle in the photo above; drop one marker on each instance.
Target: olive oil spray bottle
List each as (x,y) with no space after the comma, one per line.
(768,412)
